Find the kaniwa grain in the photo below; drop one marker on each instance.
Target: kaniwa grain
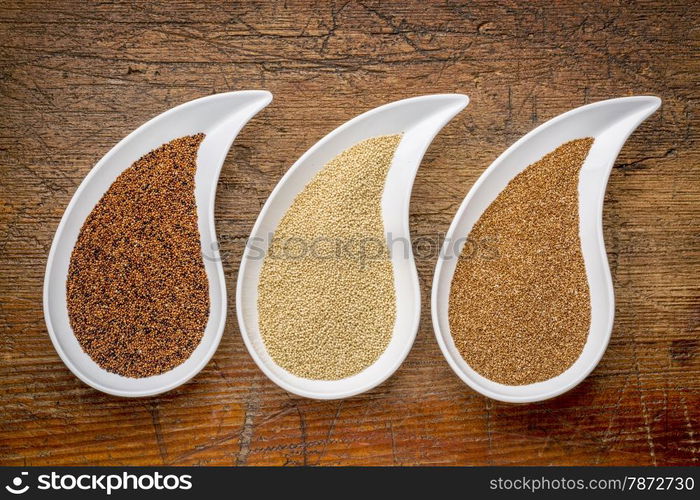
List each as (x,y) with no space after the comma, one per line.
(519,307)
(329,313)
(137,291)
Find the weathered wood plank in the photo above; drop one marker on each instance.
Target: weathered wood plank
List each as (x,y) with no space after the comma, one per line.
(78,76)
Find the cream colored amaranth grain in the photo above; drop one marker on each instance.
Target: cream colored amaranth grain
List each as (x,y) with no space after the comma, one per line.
(519,304)
(327,316)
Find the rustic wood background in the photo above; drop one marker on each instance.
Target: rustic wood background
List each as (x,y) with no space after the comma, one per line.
(77,77)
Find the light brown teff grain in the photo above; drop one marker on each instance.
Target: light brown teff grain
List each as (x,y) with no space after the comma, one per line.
(329,315)
(519,304)
(138,295)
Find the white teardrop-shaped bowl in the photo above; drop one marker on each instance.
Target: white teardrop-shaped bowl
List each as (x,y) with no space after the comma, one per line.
(610,123)
(220,117)
(419,119)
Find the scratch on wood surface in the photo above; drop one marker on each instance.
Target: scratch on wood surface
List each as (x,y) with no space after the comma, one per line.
(252,407)
(154,411)
(203,448)
(303,432)
(645,411)
(695,450)
(392,438)
(489,430)
(331,427)
(614,414)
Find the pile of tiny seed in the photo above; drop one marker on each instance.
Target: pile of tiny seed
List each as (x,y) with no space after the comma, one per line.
(137,291)
(329,318)
(519,306)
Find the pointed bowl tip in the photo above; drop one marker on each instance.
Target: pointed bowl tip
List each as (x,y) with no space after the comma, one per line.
(462,99)
(264,96)
(457,99)
(655,102)
(456,102)
(649,102)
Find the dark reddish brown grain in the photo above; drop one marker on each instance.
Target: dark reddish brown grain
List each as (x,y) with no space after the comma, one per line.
(137,291)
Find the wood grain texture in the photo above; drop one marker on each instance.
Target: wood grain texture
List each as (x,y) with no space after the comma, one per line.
(77,77)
